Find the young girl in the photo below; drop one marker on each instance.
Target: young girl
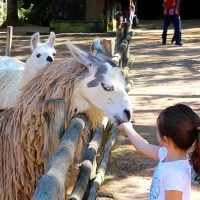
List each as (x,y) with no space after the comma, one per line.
(178,130)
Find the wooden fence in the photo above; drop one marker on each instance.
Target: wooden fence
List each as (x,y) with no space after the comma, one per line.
(9,35)
(90,178)
(51,185)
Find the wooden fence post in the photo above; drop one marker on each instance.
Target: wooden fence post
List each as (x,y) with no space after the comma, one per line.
(103,165)
(86,166)
(126,54)
(51,186)
(9,40)
(121,49)
(109,46)
(119,38)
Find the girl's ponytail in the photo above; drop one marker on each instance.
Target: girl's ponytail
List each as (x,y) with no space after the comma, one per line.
(195,154)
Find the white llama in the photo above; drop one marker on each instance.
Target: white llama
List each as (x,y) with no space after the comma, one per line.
(14,74)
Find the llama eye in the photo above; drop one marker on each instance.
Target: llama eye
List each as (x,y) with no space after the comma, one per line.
(107,87)
(38,55)
(54,54)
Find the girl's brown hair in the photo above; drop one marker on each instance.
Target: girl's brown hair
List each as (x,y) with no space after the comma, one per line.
(182,125)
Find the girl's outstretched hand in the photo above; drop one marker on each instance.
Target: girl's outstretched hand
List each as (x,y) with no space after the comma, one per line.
(139,142)
(124,127)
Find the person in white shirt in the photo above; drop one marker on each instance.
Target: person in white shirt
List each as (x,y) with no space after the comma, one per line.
(178,130)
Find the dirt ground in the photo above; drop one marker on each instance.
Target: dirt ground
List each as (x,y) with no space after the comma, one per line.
(162,76)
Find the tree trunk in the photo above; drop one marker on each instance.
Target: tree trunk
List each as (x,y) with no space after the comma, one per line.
(12,18)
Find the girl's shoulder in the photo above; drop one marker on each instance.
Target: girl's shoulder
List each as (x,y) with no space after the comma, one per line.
(177,176)
(162,153)
(177,169)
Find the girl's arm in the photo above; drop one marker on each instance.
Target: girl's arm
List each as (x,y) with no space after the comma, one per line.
(139,142)
(173,194)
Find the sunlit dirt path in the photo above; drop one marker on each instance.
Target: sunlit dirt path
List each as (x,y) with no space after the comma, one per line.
(162,76)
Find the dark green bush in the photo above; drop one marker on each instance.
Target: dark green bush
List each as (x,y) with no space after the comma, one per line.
(35,11)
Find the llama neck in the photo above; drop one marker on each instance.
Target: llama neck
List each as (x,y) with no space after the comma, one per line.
(30,72)
(82,105)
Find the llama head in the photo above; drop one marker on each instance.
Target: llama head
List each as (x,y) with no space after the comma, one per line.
(103,86)
(42,53)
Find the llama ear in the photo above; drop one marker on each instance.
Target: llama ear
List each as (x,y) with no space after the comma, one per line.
(51,39)
(96,48)
(35,40)
(82,56)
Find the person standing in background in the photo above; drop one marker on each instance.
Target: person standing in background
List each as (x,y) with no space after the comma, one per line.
(172,15)
(125,12)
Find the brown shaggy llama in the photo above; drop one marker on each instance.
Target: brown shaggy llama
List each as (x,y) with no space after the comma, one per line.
(87,84)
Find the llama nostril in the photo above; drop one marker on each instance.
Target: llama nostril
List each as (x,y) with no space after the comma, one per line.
(128,114)
(49,58)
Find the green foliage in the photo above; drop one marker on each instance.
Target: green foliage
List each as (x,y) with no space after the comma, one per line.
(2,12)
(24,14)
(35,11)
